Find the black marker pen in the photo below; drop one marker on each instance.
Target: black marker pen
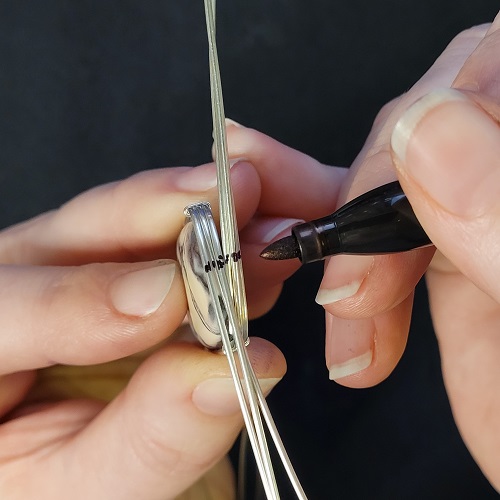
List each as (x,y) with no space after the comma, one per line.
(377,222)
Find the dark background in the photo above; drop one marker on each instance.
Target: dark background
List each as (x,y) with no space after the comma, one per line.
(92,91)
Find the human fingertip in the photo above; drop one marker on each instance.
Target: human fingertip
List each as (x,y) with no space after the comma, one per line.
(197,179)
(448,146)
(350,366)
(349,346)
(327,296)
(264,230)
(343,277)
(407,124)
(203,177)
(229,123)
(232,123)
(235,161)
(141,292)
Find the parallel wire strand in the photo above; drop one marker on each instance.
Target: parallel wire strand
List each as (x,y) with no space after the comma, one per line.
(229,230)
(229,234)
(230,244)
(229,287)
(209,245)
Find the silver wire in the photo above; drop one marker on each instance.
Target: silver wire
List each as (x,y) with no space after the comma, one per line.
(227,289)
(228,227)
(209,245)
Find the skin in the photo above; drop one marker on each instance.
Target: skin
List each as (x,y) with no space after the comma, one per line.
(59,275)
(157,437)
(450,174)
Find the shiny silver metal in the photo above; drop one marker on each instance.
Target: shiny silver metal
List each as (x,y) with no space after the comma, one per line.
(213,277)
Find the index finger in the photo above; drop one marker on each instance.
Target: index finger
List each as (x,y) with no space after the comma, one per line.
(292,183)
(377,290)
(138,218)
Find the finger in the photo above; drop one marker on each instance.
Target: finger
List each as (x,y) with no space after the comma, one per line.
(135,219)
(363,352)
(177,418)
(480,72)
(286,175)
(447,150)
(466,321)
(366,286)
(359,288)
(86,315)
(442,73)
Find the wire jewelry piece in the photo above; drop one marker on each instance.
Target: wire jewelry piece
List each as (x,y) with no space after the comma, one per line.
(213,278)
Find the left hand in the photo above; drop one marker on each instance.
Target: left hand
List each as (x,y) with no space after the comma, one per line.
(87,293)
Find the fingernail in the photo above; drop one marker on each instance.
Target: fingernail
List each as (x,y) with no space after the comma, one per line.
(217,396)
(203,177)
(235,161)
(450,147)
(266,229)
(343,277)
(197,179)
(406,125)
(232,161)
(349,346)
(350,366)
(231,123)
(140,293)
(228,123)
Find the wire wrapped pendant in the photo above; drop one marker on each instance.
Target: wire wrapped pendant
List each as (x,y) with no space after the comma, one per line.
(200,254)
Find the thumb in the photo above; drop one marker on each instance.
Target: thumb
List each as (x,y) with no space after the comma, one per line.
(447,150)
(175,420)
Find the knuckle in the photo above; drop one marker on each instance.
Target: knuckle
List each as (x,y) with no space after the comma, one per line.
(72,319)
(385,111)
(161,453)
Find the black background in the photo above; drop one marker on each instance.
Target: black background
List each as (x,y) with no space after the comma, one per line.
(92,91)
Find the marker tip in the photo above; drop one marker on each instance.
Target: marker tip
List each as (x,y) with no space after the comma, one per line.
(283,249)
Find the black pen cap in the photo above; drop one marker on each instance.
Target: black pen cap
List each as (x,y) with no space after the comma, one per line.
(377,222)
(317,239)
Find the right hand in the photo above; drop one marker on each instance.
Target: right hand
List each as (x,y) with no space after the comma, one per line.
(368,300)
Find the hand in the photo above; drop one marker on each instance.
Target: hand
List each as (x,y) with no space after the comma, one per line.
(446,150)
(95,282)
(359,293)
(449,172)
